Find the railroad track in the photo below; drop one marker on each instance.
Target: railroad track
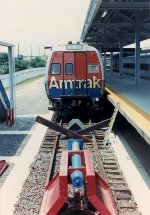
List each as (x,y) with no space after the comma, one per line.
(47,164)
(110,171)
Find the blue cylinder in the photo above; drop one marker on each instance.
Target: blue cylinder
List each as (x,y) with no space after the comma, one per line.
(76,161)
(77,176)
(71,145)
(75,145)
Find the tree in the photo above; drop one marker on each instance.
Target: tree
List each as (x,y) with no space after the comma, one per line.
(38,62)
(20,64)
(3,63)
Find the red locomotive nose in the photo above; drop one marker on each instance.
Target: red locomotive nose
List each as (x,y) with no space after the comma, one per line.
(75,77)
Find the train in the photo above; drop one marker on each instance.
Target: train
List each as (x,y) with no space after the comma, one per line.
(74,79)
(129,64)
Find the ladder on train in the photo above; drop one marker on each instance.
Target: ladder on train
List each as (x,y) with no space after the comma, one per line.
(107,133)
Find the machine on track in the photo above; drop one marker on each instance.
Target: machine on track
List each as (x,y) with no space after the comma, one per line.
(91,194)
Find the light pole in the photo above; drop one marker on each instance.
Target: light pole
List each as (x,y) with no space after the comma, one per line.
(18,51)
(39,52)
(31,52)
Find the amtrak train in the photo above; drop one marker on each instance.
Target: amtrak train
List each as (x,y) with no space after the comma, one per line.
(74,78)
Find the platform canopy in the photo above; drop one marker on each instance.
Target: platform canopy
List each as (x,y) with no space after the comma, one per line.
(6,44)
(109,20)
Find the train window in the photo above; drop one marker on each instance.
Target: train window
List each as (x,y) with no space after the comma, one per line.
(55,69)
(69,68)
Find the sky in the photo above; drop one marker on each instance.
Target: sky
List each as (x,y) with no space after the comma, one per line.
(40,23)
(35,24)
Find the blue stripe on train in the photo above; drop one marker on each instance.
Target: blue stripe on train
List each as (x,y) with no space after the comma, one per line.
(57,93)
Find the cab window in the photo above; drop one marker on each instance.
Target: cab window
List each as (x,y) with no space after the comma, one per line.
(55,69)
(69,68)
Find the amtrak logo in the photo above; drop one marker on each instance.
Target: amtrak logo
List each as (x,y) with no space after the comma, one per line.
(70,84)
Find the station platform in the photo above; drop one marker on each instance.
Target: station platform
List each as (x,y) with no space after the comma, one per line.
(134,101)
(21,164)
(19,144)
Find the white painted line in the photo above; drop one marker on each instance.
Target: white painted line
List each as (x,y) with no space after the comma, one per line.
(11,159)
(16,132)
(137,178)
(7,158)
(13,184)
(26,115)
(32,115)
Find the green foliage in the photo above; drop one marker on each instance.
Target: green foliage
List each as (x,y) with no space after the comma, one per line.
(38,62)
(20,64)
(3,63)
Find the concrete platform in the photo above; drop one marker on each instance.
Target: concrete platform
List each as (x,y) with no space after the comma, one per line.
(13,184)
(136,176)
(31,98)
(134,102)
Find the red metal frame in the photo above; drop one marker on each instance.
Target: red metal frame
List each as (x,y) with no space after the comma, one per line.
(12,116)
(56,192)
(98,191)
(3,165)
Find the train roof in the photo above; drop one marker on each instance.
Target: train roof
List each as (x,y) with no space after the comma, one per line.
(73,47)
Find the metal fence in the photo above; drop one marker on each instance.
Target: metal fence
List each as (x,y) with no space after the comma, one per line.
(22,76)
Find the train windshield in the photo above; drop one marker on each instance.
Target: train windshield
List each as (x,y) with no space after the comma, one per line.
(55,69)
(69,68)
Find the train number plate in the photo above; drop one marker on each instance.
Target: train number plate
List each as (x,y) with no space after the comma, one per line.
(93,68)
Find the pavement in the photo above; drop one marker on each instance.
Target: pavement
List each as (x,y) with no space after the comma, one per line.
(31,98)
(28,105)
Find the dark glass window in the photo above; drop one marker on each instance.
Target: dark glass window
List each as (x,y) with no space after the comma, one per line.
(69,68)
(55,69)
